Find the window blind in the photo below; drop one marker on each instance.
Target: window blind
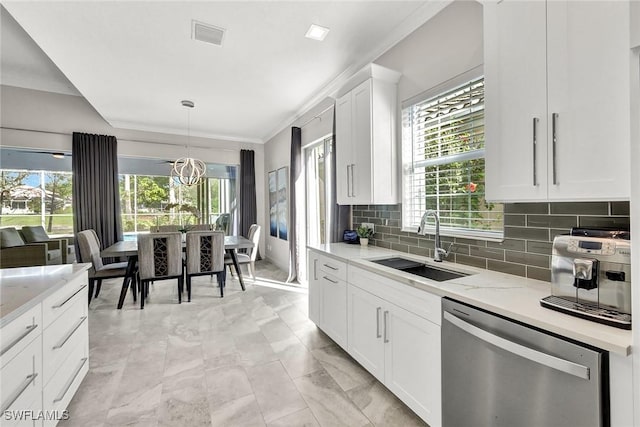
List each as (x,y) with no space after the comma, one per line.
(443,156)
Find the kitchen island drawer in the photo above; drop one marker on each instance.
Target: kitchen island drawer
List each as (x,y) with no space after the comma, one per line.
(65,382)
(64,298)
(63,335)
(19,333)
(22,380)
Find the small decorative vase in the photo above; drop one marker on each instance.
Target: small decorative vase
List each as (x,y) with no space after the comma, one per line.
(364,241)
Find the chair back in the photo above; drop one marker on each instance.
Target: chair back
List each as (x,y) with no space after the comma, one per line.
(165,229)
(159,255)
(205,252)
(254,236)
(223,223)
(90,249)
(201,227)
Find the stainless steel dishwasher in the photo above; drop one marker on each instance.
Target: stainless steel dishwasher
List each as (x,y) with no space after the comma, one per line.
(499,372)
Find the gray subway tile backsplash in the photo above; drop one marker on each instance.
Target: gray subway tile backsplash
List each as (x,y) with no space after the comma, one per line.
(529,232)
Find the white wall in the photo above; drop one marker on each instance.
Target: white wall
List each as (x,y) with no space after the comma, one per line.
(45,120)
(447,45)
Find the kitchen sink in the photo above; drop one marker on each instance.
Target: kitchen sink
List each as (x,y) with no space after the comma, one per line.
(420,269)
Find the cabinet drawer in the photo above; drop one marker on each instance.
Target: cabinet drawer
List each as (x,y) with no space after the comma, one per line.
(64,298)
(332,267)
(61,338)
(22,380)
(416,301)
(19,333)
(65,382)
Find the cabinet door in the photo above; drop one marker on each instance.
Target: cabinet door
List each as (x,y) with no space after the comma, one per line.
(366,345)
(515,100)
(412,362)
(333,308)
(314,288)
(588,83)
(361,115)
(343,146)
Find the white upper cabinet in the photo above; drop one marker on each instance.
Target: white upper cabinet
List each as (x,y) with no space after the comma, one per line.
(557,100)
(366,157)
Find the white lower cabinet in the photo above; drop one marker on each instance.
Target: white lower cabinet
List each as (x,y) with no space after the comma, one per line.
(394,332)
(412,363)
(328,296)
(399,348)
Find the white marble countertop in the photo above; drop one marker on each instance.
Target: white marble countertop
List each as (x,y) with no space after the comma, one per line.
(22,288)
(511,296)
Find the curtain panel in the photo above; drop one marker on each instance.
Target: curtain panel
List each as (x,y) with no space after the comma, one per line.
(296,169)
(248,210)
(96,195)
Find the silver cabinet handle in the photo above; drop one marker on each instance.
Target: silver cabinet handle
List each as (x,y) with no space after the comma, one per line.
(554,135)
(535,144)
(353,182)
(348,181)
(386,326)
(60,304)
(16,394)
(378,310)
(64,340)
(26,332)
(536,356)
(327,279)
(331,267)
(67,386)
(315,269)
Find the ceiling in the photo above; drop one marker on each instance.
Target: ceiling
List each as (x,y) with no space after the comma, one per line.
(135,61)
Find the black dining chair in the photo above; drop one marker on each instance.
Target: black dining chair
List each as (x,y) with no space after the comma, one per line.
(205,256)
(159,258)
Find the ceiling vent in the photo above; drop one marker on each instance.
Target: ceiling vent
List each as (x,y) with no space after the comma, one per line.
(207,33)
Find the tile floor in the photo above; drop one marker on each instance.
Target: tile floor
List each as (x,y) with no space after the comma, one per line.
(249,359)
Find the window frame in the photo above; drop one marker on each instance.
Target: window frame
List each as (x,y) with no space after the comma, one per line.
(407,161)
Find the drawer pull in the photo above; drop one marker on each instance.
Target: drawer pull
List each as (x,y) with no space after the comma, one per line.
(26,332)
(13,397)
(327,279)
(73,378)
(60,304)
(330,266)
(66,338)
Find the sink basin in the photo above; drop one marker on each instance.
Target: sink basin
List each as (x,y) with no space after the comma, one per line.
(419,269)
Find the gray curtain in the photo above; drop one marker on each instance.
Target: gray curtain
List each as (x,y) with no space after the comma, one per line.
(339,215)
(296,168)
(248,213)
(96,195)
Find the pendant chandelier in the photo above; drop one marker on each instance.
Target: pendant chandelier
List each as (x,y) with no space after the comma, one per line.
(187,169)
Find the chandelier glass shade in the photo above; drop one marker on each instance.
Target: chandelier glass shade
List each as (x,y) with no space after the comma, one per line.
(188,170)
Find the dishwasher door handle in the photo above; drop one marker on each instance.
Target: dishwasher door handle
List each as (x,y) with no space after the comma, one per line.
(539,357)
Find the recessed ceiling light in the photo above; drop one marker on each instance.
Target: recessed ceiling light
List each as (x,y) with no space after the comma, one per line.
(58,155)
(316,32)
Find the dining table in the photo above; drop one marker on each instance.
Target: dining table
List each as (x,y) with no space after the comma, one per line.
(129,249)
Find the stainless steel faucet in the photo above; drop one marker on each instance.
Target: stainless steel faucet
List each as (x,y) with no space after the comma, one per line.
(438,252)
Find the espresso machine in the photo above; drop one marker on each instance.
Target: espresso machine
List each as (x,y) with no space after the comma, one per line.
(591,276)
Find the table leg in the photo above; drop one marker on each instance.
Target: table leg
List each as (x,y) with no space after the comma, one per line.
(234,258)
(129,276)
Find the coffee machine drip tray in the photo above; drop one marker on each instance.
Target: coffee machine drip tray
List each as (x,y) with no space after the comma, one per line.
(588,311)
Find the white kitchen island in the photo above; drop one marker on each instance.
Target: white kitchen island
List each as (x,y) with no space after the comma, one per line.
(44,341)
